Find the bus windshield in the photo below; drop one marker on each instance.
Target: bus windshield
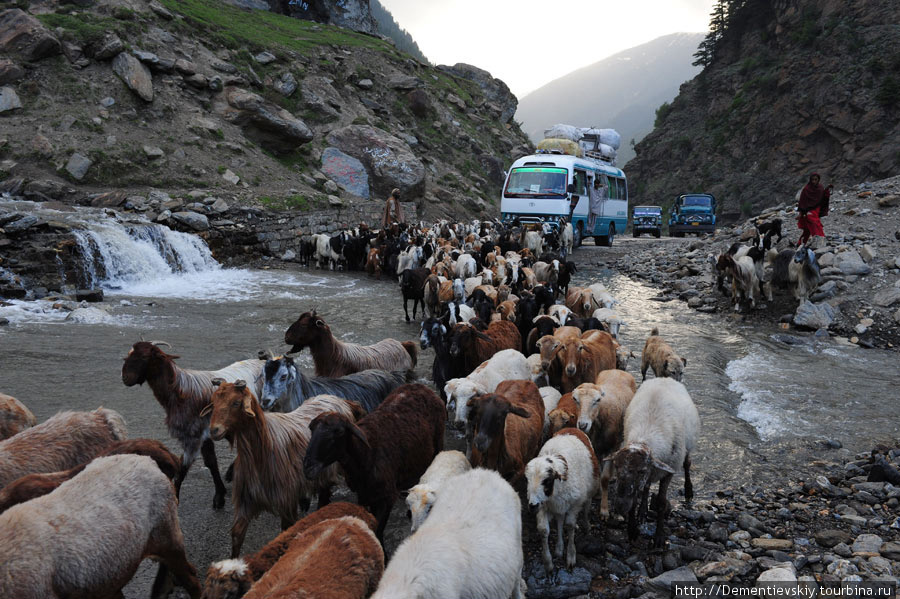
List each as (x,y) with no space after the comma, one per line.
(528,182)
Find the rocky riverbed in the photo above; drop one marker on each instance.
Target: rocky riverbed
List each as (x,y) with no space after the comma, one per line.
(858,298)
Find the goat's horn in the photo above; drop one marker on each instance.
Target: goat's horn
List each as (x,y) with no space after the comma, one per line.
(216,382)
(158,343)
(240,384)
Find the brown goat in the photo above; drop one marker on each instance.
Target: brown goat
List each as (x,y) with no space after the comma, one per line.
(660,356)
(335,559)
(564,415)
(268,469)
(373,263)
(582,358)
(475,347)
(61,442)
(386,451)
(15,417)
(36,485)
(230,579)
(334,358)
(507,311)
(507,427)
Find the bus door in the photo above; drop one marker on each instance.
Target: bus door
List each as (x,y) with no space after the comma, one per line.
(599,194)
(579,193)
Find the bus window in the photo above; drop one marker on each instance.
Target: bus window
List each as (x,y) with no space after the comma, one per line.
(580,183)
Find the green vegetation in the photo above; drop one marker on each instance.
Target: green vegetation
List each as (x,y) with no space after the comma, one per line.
(264,30)
(661,113)
(294,202)
(808,30)
(85,28)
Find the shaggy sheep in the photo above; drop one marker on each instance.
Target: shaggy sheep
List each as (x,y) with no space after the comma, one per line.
(660,356)
(475,347)
(421,497)
(15,417)
(508,364)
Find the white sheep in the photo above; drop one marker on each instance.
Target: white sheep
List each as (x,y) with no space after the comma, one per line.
(551,397)
(562,480)
(610,318)
(601,296)
(505,365)
(660,432)
(87,537)
(559,313)
(465,266)
(421,497)
(470,546)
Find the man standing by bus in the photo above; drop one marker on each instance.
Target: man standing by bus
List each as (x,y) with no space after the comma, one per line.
(598,195)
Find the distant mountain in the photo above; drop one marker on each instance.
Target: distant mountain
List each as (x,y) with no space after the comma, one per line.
(389,27)
(622,91)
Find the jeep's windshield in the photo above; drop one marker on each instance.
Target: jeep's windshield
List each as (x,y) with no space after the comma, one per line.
(528,182)
(647,210)
(697,201)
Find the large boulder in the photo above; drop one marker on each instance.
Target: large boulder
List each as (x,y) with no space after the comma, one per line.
(346,171)
(851,263)
(319,95)
(351,14)
(265,123)
(495,91)
(193,220)
(135,75)
(814,316)
(388,159)
(24,35)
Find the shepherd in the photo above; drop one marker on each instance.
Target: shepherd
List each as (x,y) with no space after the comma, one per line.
(393,213)
(813,204)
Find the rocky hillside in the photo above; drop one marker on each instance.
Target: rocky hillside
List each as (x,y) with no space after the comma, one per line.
(790,88)
(252,106)
(622,91)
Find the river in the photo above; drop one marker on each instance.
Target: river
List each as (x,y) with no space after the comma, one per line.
(765,406)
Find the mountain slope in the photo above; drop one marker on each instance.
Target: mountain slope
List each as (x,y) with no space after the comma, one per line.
(622,91)
(792,87)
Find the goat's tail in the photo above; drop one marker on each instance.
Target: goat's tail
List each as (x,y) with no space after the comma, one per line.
(654,332)
(413,350)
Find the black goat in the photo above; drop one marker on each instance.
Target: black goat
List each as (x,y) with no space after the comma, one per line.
(412,285)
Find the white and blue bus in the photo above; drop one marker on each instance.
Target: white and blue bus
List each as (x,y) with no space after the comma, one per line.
(553,187)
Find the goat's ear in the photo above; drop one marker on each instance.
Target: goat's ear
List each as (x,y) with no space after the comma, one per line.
(684,361)
(217,381)
(248,406)
(660,466)
(207,410)
(320,323)
(519,411)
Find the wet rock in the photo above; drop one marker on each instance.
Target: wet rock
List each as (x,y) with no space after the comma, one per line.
(9,100)
(21,224)
(89,295)
(814,316)
(78,166)
(135,75)
(197,222)
(265,123)
(388,160)
(10,72)
(867,545)
(663,582)
(560,585)
(109,47)
(22,34)
(830,537)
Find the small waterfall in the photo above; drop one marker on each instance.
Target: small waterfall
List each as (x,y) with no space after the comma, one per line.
(116,255)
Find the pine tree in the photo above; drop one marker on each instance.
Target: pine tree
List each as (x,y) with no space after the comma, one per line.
(718,22)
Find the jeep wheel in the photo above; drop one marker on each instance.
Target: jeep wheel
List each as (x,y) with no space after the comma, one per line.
(657,234)
(635,233)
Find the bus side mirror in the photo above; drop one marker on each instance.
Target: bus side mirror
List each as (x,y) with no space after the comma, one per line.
(571,188)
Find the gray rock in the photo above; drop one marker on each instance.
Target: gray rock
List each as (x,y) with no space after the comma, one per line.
(21,224)
(9,100)
(197,222)
(232,178)
(215,83)
(826,259)
(348,172)
(814,316)
(24,35)
(335,201)
(891,550)
(153,152)
(265,123)
(365,84)
(219,206)
(265,58)
(185,67)
(868,253)
(664,581)
(867,545)
(135,75)
(109,47)
(887,297)
(748,521)
(404,82)
(78,165)
(148,58)
(830,537)
(851,263)
(10,72)
(288,255)
(107,102)
(197,80)
(780,574)
(320,96)
(843,550)
(89,295)
(824,291)
(331,187)
(500,100)
(286,85)
(161,10)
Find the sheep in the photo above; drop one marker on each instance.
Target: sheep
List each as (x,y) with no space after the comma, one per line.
(35,485)
(538,376)
(15,417)
(533,241)
(476,347)
(61,442)
(232,578)
(506,310)
(335,559)
(470,545)
(437,290)
(660,432)
(325,253)
(601,297)
(580,300)
(385,451)
(508,364)
(183,394)
(412,286)
(286,386)
(564,415)
(582,358)
(422,496)
(542,325)
(506,427)
(373,263)
(334,358)
(87,538)
(611,319)
(268,469)
(560,314)
(623,354)
(562,480)
(660,356)
(549,346)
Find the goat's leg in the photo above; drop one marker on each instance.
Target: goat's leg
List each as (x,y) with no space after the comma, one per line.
(229,474)
(191,449)
(633,522)
(382,512)
(605,475)
(642,510)
(661,507)
(688,486)
(208,449)
(571,517)
(184,572)
(238,532)
(163,583)
(543,529)
(406,307)
(560,524)
(324,497)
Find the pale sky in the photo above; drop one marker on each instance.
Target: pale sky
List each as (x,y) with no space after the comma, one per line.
(528,43)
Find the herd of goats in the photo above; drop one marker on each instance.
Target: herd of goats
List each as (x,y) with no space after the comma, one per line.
(526,364)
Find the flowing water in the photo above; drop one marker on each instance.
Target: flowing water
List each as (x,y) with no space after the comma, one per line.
(764,405)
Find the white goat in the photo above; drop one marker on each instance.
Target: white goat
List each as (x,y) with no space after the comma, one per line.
(559,313)
(469,546)
(567,239)
(660,432)
(465,266)
(611,319)
(601,296)
(421,497)
(411,257)
(562,480)
(546,273)
(325,255)
(551,397)
(505,365)
(538,376)
(534,242)
(460,312)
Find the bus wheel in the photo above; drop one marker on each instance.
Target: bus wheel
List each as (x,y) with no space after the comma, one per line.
(612,235)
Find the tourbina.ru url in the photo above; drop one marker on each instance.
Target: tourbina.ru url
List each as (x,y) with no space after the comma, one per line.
(802,590)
